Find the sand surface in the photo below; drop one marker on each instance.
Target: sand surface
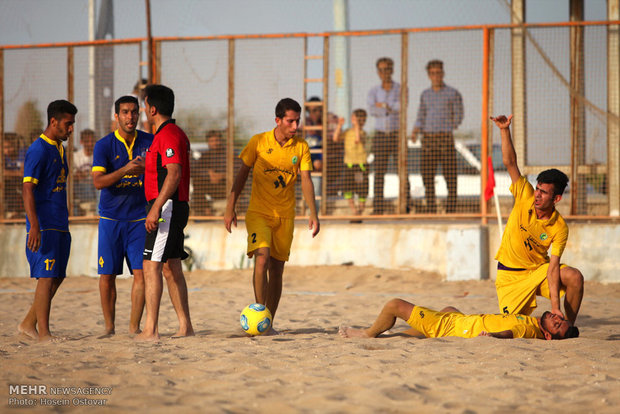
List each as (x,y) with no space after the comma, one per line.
(308,367)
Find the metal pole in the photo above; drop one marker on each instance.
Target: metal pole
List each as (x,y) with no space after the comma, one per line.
(577,109)
(149,39)
(230,138)
(613,105)
(519,123)
(69,152)
(2,184)
(484,133)
(403,174)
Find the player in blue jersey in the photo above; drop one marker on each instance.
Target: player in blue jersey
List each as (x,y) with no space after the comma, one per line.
(48,241)
(118,171)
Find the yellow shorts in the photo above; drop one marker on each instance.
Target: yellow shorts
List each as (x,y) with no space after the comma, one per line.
(276,233)
(433,324)
(517,290)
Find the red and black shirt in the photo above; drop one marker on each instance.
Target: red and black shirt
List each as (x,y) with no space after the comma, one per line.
(170,146)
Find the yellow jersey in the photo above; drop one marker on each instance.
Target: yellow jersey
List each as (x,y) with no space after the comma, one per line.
(527,239)
(275,171)
(522,326)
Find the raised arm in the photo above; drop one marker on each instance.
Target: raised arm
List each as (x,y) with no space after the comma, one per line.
(509,155)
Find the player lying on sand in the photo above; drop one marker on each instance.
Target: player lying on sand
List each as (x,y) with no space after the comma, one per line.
(452,322)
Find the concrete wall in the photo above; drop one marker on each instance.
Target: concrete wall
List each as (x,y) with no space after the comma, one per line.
(458,251)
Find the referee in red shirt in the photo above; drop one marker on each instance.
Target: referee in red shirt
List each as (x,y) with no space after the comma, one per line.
(166,186)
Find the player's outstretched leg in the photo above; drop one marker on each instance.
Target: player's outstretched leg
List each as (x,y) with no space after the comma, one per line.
(395,308)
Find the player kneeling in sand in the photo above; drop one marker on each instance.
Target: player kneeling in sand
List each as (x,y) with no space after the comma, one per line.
(452,322)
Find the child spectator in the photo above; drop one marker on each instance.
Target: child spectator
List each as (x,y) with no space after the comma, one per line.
(356,168)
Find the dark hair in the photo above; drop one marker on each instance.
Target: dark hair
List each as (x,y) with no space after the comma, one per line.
(287,104)
(360,112)
(161,97)
(384,59)
(125,99)
(87,132)
(572,332)
(213,133)
(434,63)
(555,177)
(57,109)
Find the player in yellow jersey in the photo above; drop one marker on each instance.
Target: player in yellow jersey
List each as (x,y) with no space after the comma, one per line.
(277,158)
(451,322)
(524,268)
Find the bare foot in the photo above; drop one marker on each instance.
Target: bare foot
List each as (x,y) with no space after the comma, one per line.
(183,333)
(144,337)
(52,339)
(133,331)
(271,332)
(29,331)
(348,332)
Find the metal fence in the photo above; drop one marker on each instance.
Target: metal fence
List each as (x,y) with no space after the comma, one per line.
(559,80)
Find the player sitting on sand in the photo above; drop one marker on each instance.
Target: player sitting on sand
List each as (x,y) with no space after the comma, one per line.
(452,322)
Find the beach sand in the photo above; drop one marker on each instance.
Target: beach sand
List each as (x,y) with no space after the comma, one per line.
(308,367)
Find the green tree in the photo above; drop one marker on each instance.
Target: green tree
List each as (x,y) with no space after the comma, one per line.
(29,122)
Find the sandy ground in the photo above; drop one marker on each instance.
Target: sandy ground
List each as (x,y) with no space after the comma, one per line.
(308,367)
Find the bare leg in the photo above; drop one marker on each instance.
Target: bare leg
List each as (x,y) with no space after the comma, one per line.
(352,206)
(107,292)
(153,287)
(137,301)
(261,264)
(274,285)
(395,308)
(39,313)
(177,288)
(572,280)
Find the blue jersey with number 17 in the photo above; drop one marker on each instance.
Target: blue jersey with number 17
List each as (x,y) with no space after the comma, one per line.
(46,167)
(125,199)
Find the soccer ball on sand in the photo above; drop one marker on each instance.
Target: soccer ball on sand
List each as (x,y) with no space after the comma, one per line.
(255,319)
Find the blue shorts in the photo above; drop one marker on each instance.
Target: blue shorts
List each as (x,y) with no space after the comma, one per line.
(52,257)
(118,241)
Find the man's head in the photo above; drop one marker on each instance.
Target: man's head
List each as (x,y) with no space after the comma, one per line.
(434,69)
(159,100)
(549,188)
(214,139)
(60,120)
(87,139)
(288,113)
(555,326)
(127,111)
(11,144)
(385,68)
(315,113)
(138,88)
(359,117)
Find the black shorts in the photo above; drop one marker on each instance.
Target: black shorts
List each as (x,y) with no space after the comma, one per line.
(167,242)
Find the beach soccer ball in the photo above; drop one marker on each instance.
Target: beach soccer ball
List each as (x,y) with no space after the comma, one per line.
(255,319)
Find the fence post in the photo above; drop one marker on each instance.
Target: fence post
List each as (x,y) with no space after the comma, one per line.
(69,152)
(403,173)
(230,133)
(2,200)
(613,105)
(484,127)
